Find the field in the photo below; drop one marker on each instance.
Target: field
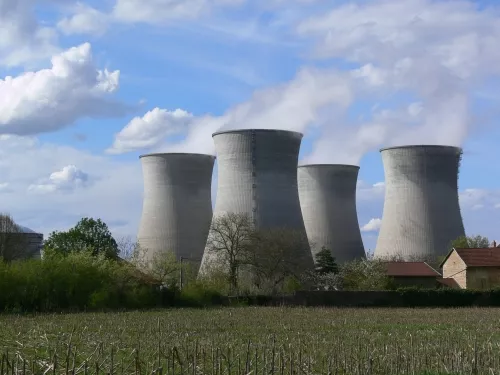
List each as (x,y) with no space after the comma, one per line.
(254,341)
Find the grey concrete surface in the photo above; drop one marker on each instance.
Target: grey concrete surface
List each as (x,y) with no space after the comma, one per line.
(328,200)
(177,204)
(257,175)
(421,210)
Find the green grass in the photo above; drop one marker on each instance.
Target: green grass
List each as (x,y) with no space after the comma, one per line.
(255,340)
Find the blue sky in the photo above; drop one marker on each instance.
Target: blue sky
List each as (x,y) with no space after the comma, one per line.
(352,76)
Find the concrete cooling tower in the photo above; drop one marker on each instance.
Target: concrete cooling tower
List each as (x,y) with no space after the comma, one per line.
(328,200)
(177,205)
(257,175)
(421,210)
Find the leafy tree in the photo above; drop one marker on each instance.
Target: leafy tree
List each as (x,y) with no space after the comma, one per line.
(325,262)
(364,274)
(228,244)
(87,235)
(278,256)
(470,242)
(13,244)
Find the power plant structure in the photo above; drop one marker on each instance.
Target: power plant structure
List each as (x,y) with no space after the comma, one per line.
(328,200)
(33,242)
(257,176)
(177,205)
(421,210)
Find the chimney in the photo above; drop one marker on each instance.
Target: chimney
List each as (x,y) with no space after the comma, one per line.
(494,243)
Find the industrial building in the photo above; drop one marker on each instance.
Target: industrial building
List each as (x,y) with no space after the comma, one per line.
(177,205)
(33,242)
(328,200)
(257,175)
(421,213)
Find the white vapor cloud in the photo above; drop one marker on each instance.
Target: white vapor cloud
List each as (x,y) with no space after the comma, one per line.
(51,99)
(437,51)
(310,99)
(417,62)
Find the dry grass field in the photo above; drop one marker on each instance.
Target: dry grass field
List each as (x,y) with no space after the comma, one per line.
(254,341)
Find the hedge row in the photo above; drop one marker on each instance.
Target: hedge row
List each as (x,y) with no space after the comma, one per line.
(81,282)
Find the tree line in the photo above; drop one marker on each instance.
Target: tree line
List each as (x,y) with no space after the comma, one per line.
(87,261)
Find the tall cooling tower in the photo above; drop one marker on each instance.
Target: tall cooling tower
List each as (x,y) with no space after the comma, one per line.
(177,206)
(257,175)
(421,210)
(328,200)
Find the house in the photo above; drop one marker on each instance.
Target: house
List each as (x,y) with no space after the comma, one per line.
(473,268)
(412,274)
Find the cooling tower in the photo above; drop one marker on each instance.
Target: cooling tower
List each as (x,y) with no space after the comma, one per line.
(177,205)
(328,200)
(421,209)
(257,175)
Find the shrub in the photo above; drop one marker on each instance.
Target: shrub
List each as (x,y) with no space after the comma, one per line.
(77,281)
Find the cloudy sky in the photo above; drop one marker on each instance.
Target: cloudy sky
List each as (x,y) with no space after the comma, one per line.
(87,86)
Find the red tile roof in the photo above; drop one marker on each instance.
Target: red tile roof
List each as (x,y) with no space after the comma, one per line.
(486,257)
(449,282)
(415,269)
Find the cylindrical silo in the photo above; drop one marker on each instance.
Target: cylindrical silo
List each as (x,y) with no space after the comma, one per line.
(421,210)
(257,175)
(328,200)
(177,205)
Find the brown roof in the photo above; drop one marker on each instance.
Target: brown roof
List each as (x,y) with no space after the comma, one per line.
(415,269)
(448,281)
(486,257)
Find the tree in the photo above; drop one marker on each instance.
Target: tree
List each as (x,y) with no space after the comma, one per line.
(325,262)
(277,256)
(13,245)
(470,242)
(364,274)
(228,244)
(87,235)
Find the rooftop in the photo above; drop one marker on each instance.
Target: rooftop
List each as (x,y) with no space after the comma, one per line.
(485,257)
(257,131)
(411,269)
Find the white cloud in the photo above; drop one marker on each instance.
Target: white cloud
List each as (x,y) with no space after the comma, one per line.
(50,99)
(150,130)
(372,226)
(22,38)
(367,192)
(478,199)
(66,179)
(160,11)
(107,189)
(84,20)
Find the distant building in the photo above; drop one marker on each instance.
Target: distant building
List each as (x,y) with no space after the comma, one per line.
(473,268)
(27,242)
(412,274)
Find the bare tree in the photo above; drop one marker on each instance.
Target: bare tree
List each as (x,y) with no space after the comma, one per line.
(13,244)
(228,242)
(162,266)
(127,248)
(278,254)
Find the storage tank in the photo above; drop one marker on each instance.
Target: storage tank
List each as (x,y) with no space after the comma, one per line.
(421,210)
(328,200)
(177,204)
(257,175)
